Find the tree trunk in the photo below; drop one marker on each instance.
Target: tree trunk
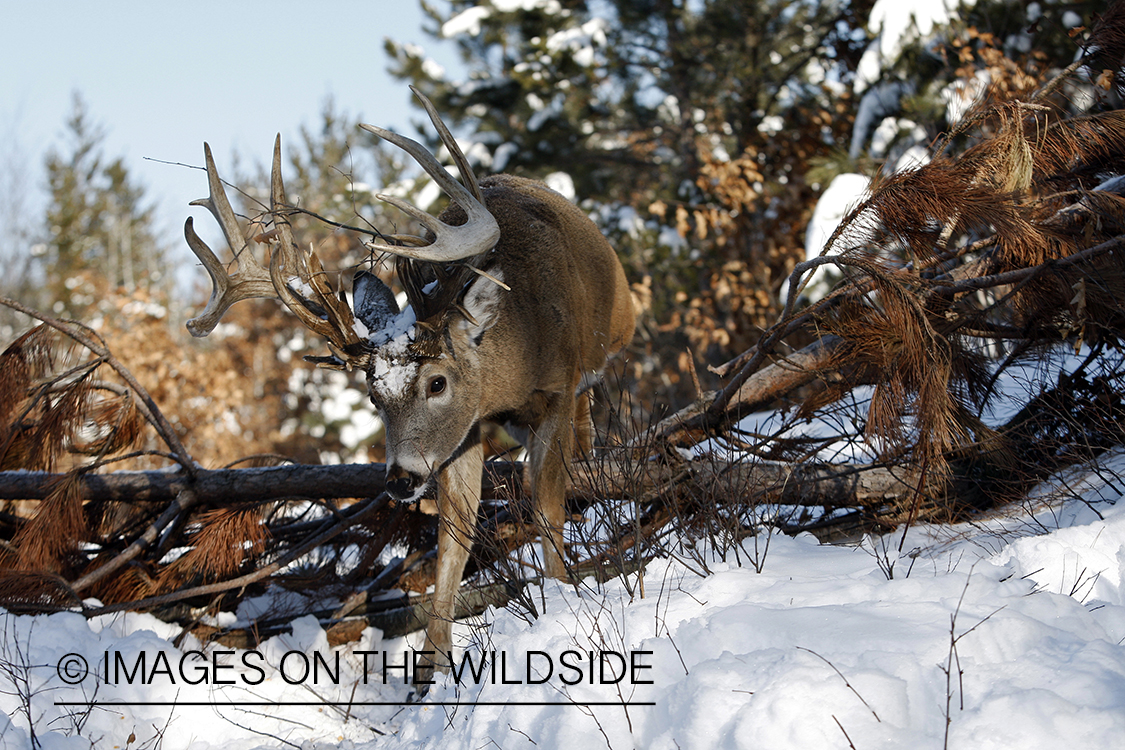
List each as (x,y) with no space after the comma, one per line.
(613,473)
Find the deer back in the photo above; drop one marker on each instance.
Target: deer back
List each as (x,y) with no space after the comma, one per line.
(569,306)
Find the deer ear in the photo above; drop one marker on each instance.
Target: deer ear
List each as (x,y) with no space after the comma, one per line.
(373,302)
(482,306)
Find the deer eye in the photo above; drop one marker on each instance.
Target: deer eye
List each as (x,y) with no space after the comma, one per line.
(437,386)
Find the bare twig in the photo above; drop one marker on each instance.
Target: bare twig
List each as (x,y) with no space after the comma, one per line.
(846,683)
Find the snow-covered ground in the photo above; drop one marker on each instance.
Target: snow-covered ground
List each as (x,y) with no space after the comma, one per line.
(1011,628)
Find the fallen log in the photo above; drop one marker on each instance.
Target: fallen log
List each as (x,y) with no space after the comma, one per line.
(613,474)
(256,484)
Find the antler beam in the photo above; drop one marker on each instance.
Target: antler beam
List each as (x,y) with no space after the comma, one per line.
(451,243)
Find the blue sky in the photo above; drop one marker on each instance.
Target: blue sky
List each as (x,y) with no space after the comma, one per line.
(162,77)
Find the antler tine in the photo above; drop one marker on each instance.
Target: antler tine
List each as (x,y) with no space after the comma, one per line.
(251,279)
(219,205)
(337,324)
(450,142)
(477,235)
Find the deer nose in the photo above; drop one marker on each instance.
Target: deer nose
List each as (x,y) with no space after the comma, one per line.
(401,484)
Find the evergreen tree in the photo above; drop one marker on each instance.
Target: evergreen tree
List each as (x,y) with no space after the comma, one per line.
(700,134)
(686,128)
(914,86)
(100,235)
(18,229)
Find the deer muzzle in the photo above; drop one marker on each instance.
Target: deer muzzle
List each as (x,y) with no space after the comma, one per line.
(402,484)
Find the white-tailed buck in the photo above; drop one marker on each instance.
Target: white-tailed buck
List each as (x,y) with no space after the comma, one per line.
(514,298)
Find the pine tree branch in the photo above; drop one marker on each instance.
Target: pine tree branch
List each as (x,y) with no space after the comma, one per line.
(146,403)
(330,529)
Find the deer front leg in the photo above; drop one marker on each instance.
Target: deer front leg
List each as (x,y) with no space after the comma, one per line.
(583,425)
(552,446)
(458,499)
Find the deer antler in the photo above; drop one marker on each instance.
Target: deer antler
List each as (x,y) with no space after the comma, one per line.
(324,313)
(316,305)
(319,308)
(477,235)
(251,279)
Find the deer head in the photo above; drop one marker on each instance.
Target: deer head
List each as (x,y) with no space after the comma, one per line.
(425,376)
(422,370)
